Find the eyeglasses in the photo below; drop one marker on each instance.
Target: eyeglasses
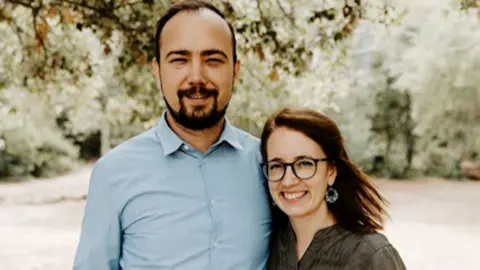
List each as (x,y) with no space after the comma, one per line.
(303,168)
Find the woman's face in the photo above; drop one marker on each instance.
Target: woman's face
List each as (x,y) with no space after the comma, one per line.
(296,197)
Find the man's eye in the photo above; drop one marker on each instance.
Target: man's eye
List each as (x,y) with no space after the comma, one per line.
(214,60)
(178,60)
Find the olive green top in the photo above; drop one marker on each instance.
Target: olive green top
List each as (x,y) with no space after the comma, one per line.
(334,248)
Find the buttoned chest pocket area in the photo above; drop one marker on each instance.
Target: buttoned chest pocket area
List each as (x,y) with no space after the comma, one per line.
(168,222)
(239,205)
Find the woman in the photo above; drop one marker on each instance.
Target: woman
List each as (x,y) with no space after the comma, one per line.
(326,212)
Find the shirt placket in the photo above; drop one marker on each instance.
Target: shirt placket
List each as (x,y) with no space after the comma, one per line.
(213,210)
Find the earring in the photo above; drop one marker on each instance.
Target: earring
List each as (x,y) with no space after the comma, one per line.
(331,195)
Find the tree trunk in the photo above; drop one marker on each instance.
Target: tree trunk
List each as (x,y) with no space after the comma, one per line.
(105,128)
(409,136)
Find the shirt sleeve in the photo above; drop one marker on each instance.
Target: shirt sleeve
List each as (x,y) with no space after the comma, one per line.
(386,258)
(100,238)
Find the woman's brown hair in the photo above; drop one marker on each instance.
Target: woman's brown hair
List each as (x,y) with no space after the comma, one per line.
(360,207)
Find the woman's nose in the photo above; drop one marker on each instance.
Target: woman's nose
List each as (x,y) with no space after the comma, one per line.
(289,179)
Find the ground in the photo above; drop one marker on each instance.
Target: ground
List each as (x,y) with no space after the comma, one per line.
(434,223)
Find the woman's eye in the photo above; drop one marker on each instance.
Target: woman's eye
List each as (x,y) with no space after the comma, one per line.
(305,163)
(275,166)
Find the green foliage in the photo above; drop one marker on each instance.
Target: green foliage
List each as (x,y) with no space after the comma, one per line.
(403,89)
(88,63)
(33,145)
(392,124)
(435,62)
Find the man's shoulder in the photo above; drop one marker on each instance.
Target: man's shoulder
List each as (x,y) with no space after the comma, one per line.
(247,139)
(142,141)
(130,153)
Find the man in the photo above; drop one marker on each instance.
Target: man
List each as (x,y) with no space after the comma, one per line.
(189,193)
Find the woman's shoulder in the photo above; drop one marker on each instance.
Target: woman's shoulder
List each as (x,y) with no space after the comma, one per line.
(372,242)
(375,251)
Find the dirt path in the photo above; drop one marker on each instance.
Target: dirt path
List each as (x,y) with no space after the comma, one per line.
(435,224)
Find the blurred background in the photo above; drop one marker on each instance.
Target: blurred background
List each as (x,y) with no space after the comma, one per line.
(400,78)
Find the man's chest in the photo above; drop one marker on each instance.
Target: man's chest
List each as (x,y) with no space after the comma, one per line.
(196,212)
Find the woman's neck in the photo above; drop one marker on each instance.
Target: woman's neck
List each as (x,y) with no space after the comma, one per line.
(305,227)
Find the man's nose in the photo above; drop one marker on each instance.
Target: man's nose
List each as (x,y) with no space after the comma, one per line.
(196,74)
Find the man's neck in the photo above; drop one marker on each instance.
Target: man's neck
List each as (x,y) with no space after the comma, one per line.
(199,139)
(305,227)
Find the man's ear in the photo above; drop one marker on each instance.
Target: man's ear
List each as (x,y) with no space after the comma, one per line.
(236,70)
(155,68)
(156,72)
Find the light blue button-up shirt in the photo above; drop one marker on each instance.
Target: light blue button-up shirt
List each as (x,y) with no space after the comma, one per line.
(155,202)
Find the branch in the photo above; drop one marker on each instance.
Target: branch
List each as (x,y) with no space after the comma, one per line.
(107,13)
(81,4)
(260,9)
(37,36)
(292,21)
(18,2)
(35,10)
(17,31)
(132,3)
(258,78)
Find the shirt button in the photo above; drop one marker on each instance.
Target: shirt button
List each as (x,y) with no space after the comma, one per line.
(185,147)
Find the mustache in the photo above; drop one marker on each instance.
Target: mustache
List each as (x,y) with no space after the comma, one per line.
(202,90)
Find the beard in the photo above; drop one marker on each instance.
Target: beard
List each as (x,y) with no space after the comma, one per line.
(201,117)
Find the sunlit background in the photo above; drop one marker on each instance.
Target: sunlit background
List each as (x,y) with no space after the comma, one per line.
(401,79)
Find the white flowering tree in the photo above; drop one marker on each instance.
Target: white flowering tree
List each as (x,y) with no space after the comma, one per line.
(441,70)
(423,64)
(75,75)
(79,71)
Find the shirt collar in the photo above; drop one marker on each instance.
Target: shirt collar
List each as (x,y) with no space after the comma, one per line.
(230,136)
(171,142)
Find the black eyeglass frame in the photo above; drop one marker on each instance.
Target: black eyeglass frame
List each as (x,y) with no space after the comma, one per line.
(290,164)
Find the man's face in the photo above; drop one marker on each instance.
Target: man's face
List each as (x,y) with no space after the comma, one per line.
(196,71)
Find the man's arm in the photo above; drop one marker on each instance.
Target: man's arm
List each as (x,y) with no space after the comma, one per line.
(100,240)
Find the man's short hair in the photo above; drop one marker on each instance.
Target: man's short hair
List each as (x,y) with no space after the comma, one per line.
(190,5)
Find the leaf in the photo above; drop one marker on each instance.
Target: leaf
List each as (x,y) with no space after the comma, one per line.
(107,50)
(51,12)
(273,75)
(141,58)
(68,15)
(6,13)
(42,31)
(260,52)
(38,45)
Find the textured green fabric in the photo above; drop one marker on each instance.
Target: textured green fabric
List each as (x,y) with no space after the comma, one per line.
(334,248)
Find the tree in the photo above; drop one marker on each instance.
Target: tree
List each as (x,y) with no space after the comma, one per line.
(88,61)
(435,61)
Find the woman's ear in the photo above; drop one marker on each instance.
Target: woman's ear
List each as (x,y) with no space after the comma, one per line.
(331,174)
